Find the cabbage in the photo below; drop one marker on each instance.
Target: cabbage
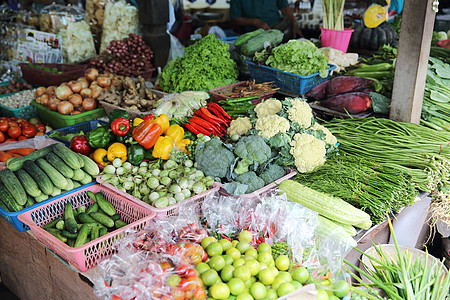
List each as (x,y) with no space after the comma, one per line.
(442,36)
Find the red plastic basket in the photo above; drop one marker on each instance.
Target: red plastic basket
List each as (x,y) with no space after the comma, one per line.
(217,93)
(90,254)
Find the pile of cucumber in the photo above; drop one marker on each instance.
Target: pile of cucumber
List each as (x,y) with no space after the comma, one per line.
(84,224)
(44,173)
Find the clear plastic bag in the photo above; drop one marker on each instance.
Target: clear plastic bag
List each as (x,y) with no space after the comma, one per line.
(77,42)
(55,17)
(96,14)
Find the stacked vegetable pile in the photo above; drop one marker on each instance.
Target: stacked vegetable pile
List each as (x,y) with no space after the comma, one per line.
(19,99)
(204,66)
(15,86)
(44,173)
(251,42)
(14,129)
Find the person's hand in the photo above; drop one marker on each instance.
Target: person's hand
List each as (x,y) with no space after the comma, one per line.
(296,31)
(258,23)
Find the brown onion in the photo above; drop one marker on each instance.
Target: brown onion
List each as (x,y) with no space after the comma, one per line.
(44,99)
(51,88)
(63,92)
(76,100)
(38,100)
(40,91)
(89,104)
(65,107)
(52,104)
(76,112)
(86,93)
(104,80)
(91,74)
(96,91)
(75,86)
(93,83)
(84,83)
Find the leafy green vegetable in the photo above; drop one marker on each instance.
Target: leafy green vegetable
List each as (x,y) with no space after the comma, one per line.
(380,103)
(204,66)
(299,57)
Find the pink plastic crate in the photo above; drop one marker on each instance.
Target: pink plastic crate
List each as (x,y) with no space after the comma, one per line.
(171,210)
(217,96)
(91,254)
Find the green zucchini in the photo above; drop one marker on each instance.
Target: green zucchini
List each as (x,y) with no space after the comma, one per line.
(28,183)
(59,164)
(42,180)
(12,183)
(92,208)
(255,44)
(328,206)
(69,218)
(106,206)
(91,195)
(41,198)
(85,218)
(8,199)
(67,155)
(82,236)
(52,223)
(15,163)
(78,174)
(102,219)
(55,176)
(247,36)
(90,166)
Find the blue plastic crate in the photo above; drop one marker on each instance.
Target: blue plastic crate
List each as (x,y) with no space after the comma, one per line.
(85,127)
(12,217)
(229,39)
(26,112)
(287,82)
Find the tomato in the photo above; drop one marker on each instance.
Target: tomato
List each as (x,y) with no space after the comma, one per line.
(189,294)
(22,122)
(4,125)
(191,273)
(167,298)
(181,269)
(29,131)
(39,133)
(10,140)
(13,119)
(115,297)
(2,137)
(165,265)
(21,138)
(14,132)
(199,293)
(177,294)
(40,127)
(204,256)
(12,123)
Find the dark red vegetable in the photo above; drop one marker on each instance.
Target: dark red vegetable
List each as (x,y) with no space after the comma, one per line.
(353,103)
(79,144)
(346,84)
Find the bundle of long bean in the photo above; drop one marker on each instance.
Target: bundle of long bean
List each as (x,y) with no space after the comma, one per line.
(372,187)
(415,149)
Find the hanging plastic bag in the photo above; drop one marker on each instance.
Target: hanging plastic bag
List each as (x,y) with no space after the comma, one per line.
(176,48)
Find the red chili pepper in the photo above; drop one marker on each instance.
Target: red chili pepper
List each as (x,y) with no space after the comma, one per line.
(149,117)
(203,123)
(195,129)
(79,144)
(219,108)
(201,115)
(207,113)
(120,126)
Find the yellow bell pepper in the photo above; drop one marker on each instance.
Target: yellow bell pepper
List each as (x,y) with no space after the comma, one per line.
(181,145)
(117,150)
(137,121)
(162,121)
(162,147)
(176,132)
(99,156)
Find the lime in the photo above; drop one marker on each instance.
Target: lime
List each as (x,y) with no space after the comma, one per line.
(252,252)
(228,259)
(213,249)
(209,277)
(263,265)
(282,262)
(226,244)
(247,257)
(276,282)
(236,286)
(248,283)
(274,271)
(217,263)
(173,280)
(202,267)
(242,272)
(231,297)
(245,236)
(243,246)
(234,243)
(271,294)
(258,291)
(266,276)
(207,240)
(341,288)
(322,295)
(285,288)
(244,296)
(253,265)
(238,262)
(220,291)
(227,273)
(285,275)
(234,253)
(265,257)
(333,297)
(296,284)
(264,247)
(301,275)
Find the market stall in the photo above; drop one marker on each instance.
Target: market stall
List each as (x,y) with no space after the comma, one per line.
(247,167)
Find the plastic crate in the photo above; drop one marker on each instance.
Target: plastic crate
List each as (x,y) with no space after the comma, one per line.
(85,127)
(12,217)
(287,82)
(217,96)
(171,210)
(57,120)
(90,254)
(229,39)
(26,112)
(41,77)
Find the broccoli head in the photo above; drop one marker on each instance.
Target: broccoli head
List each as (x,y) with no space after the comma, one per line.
(213,158)
(272,173)
(251,149)
(251,180)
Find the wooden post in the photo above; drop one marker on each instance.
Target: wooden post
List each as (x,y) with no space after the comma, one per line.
(412,60)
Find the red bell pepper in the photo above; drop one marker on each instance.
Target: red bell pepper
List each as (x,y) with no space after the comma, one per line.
(149,117)
(79,144)
(120,126)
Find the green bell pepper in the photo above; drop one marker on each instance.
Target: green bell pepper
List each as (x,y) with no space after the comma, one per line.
(118,113)
(99,137)
(135,154)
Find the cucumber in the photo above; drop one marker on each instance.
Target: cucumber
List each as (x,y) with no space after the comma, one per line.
(13,185)
(82,236)
(44,183)
(90,166)
(52,224)
(15,163)
(67,155)
(119,224)
(247,36)
(81,209)
(76,184)
(69,218)
(102,231)
(28,183)
(41,198)
(78,175)
(57,178)
(255,44)
(60,225)
(106,206)
(69,184)
(69,235)
(87,179)
(59,164)
(91,225)
(102,219)
(95,232)
(115,217)
(91,195)
(30,201)
(56,192)
(85,218)
(8,199)
(56,233)
(71,242)
(92,208)
(80,160)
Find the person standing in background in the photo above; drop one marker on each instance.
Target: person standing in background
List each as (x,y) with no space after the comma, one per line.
(265,14)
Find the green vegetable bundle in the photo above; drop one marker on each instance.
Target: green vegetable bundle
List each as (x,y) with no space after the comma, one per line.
(204,66)
(374,188)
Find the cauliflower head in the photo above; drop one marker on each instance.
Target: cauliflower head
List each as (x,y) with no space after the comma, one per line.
(239,126)
(268,107)
(308,152)
(330,139)
(300,112)
(269,126)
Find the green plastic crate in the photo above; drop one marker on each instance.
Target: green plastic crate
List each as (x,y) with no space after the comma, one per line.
(26,112)
(57,120)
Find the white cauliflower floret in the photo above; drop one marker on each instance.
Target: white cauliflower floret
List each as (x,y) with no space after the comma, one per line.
(300,112)
(268,107)
(330,139)
(308,152)
(239,126)
(271,125)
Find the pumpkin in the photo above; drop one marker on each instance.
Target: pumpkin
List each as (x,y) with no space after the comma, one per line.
(372,38)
